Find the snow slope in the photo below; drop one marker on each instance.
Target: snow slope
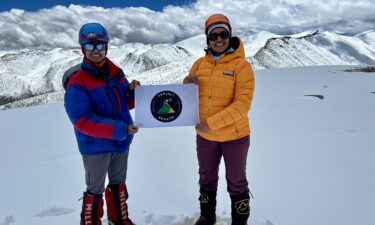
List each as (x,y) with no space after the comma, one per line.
(310,160)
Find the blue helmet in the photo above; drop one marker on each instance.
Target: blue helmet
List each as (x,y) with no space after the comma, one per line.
(92,32)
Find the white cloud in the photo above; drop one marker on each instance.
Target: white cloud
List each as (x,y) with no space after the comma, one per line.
(58,26)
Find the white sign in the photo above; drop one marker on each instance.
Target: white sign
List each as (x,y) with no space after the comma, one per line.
(166,105)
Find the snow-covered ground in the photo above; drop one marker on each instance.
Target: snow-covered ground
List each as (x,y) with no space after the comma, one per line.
(311,160)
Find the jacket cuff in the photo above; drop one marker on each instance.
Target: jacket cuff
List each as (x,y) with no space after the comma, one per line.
(121,131)
(211,123)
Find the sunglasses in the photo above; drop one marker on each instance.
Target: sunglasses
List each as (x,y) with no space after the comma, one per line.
(224,35)
(91,47)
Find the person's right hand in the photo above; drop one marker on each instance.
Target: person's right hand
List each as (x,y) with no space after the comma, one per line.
(132,129)
(191,79)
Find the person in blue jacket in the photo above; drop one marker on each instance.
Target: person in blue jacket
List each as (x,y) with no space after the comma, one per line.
(97,100)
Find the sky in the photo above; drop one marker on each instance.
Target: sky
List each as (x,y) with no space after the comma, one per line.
(57,25)
(311,161)
(37,5)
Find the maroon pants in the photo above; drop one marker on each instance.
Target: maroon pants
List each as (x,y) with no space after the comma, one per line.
(234,154)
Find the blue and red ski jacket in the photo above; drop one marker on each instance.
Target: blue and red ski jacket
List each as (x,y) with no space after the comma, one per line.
(97,101)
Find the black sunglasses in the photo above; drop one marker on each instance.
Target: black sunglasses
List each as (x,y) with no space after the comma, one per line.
(91,47)
(224,35)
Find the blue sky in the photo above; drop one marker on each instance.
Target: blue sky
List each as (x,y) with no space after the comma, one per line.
(27,5)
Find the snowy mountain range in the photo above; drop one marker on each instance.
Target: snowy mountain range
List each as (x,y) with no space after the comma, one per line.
(33,76)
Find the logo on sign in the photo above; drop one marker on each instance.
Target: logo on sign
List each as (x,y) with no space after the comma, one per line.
(166,106)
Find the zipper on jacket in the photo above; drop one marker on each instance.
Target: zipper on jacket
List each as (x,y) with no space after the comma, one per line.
(117,97)
(210,89)
(109,98)
(117,143)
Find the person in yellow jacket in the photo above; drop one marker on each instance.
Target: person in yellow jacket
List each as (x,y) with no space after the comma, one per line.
(226,83)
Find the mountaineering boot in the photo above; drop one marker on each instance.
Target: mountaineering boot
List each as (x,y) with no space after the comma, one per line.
(117,209)
(240,208)
(92,209)
(207,200)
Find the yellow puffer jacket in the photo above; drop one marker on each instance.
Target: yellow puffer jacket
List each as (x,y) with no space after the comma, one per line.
(226,90)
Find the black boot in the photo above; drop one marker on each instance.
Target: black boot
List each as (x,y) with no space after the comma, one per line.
(240,208)
(207,201)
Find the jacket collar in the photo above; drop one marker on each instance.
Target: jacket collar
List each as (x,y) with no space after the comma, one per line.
(106,72)
(216,58)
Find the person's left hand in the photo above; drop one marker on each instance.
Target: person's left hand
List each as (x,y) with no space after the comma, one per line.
(134,84)
(132,129)
(202,126)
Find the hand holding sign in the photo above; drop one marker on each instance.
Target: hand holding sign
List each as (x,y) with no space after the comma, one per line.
(191,79)
(203,126)
(132,129)
(134,84)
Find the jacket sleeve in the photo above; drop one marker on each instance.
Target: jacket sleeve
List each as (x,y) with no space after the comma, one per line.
(79,109)
(240,106)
